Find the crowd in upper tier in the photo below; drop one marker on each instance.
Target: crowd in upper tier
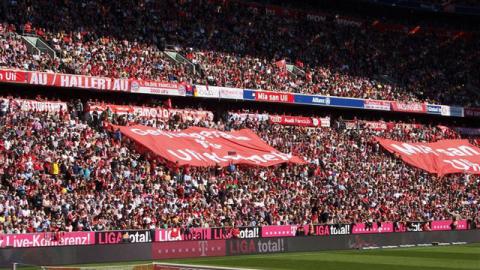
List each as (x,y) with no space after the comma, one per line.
(226,43)
(68,171)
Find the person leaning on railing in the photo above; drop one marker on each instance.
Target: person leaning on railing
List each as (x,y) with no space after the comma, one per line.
(300,231)
(311,229)
(125,238)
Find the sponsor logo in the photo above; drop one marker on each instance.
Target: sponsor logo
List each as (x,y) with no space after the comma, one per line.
(189,234)
(414,226)
(252,246)
(300,121)
(409,106)
(231,93)
(135,86)
(445,110)
(185,249)
(182,90)
(204,91)
(322,230)
(249,232)
(271,246)
(244,232)
(340,229)
(435,109)
(333,229)
(377,105)
(203,247)
(276,118)
(202,234)
(116,237)
(46,239)
(279,231)
(321,100)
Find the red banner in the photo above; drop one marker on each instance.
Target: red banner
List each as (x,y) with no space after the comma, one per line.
(28,105)
(197,146)
(409,107)
(92,82)
(274,97)
(78,81)
(442,157)
(152,112)
(13,76)
(300,121)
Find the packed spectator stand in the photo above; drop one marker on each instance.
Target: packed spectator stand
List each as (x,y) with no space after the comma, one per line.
(67,170)
(235,44)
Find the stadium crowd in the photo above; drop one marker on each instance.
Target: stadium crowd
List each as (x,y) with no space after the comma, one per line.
(232,45)
(69,171)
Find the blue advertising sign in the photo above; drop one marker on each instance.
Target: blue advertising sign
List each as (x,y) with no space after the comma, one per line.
(434,109)
(329,101)
(248,94)
(457,111)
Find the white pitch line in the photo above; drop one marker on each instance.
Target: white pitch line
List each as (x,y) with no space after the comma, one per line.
(204,266)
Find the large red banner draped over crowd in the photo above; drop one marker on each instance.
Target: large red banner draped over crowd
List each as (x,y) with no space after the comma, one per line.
(204,147)
(441,157)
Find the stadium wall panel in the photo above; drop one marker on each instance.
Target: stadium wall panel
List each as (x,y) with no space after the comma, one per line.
(76,254)
(358,241)
(67,255)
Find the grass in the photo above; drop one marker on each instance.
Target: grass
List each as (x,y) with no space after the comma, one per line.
(418,258)
(423,258)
